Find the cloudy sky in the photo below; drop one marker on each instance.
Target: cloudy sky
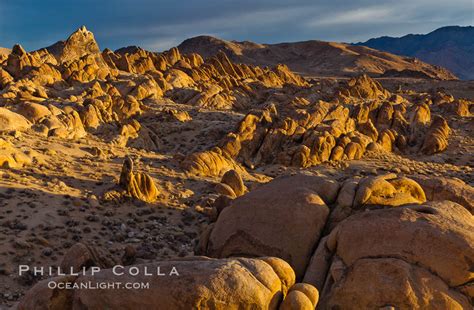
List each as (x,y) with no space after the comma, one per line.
(161,24)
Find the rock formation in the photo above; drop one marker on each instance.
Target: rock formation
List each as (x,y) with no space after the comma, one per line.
(138,185)
(304,135)
(12,157)
(261,222)
(199,282)
(10,121)
(403,243)
(80,43)
(401,255)
(231,185)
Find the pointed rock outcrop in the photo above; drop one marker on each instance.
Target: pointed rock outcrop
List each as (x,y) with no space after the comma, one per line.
(79,44)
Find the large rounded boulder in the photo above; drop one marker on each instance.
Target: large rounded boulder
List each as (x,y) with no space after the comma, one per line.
(416,256)
(283,218)
(193,283)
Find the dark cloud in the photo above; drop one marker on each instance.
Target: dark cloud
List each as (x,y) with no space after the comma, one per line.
(158,25)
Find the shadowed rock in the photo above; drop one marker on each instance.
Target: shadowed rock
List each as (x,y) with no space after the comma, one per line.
(137,184)
(414,256)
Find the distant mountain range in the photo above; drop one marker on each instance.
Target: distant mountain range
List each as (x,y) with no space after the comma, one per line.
(317,58)
(446,53)
(450,47)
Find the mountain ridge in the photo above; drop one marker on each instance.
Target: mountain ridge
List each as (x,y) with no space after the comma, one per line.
(315,58)
(451,47)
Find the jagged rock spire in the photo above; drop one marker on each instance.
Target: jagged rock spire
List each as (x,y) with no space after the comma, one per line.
(79,43)
(18,50)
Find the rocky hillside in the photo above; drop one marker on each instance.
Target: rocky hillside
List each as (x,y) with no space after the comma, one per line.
(4,51)
(450,47)
(317,58)
(79,44)
(248,187)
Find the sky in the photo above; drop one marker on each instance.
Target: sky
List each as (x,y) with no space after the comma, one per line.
(161,24)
